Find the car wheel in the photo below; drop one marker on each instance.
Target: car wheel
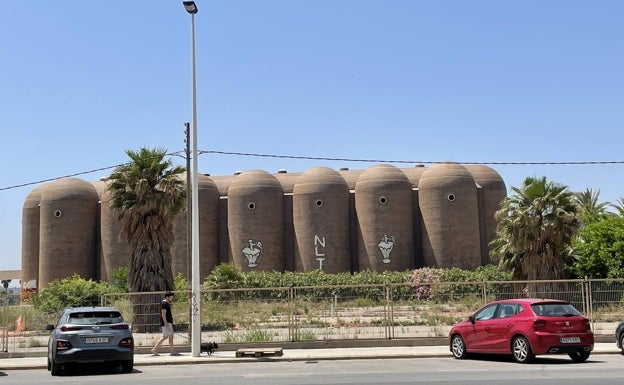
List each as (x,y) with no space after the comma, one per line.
(127,366)
(522,350)
(55,369)
(622,342)
(458,347)
(579,356)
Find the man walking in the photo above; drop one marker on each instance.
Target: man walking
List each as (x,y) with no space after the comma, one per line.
(166,323)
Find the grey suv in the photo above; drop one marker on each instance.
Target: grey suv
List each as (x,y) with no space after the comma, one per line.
(90,335)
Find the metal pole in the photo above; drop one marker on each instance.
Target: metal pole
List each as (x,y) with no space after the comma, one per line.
(189,221)
(189,209)
(196,308)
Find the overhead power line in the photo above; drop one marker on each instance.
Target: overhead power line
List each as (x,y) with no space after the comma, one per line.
(403,161)
(400,161)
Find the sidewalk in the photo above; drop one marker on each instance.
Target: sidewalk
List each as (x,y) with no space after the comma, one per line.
(141,359)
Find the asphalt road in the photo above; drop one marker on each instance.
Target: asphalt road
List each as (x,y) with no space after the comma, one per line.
(600,369)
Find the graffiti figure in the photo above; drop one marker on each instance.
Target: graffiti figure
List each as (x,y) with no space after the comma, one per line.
(385,246)
(252,253)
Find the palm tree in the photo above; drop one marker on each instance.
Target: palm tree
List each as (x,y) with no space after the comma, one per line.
(590,209)
(619,206)
(146,194)
(536,225)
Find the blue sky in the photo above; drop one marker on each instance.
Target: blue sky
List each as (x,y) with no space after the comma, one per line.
(410,80)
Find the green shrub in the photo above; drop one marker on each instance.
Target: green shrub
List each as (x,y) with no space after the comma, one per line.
(72,291)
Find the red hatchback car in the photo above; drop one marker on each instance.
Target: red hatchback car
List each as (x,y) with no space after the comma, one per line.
(524,328)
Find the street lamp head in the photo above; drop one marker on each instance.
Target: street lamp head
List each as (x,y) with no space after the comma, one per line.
(190,7)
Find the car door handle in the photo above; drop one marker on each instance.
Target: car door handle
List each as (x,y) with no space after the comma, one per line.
(487,328)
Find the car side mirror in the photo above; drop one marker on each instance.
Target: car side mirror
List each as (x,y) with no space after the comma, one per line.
(49,327)
(471,319)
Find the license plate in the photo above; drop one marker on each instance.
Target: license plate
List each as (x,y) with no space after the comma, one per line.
(96,340)
(570,340)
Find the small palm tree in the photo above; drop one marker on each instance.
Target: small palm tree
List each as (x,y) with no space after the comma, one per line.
(590,209)
(619,206)
(536,225)
(146,194)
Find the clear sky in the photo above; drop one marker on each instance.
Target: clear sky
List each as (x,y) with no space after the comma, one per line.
(389,80)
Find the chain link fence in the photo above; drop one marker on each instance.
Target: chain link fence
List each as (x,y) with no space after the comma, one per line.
(324,313)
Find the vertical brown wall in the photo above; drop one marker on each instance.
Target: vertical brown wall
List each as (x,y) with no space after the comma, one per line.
(68,219)
(492,191)
(115,249)
(321,221)
(256,222)
(30,237)
(383,201)
(448,202)
(287,180)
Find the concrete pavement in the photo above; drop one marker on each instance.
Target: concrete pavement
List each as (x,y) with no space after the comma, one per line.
(384,352)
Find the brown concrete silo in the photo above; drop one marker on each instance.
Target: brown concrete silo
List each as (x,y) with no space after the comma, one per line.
(491,190)
(321,221)
(223,185)
(383,203)
(181,258)
(350,176)
(448,203)
(413,174)
(30,238)
(68,225)
(256,222)
(287,180)
(115,251)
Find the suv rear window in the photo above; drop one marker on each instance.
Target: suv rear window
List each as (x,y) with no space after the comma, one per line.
(95,318)
(555,310)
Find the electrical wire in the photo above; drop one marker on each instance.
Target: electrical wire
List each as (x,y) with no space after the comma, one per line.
(250,154)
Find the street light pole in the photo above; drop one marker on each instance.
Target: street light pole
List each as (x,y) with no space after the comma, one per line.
(191,8)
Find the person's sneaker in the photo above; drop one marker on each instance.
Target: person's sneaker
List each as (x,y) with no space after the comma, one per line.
(176,354)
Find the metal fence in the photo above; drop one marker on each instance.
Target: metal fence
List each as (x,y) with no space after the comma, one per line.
(324,313)
(392,311)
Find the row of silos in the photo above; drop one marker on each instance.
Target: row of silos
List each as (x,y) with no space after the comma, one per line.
(380,218)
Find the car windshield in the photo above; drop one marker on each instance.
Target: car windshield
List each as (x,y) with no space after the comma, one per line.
(554,310)
(95,318)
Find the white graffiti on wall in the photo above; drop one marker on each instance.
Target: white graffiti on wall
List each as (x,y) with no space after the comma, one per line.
(385,246)
(320,257)
(252,253)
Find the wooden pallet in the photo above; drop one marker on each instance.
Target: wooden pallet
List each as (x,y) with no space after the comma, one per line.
(260,352)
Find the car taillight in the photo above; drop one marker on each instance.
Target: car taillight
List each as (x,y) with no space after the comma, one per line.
(63,345)
(120,326)
(539,323)
(587,325)
(70,328)
(126,342)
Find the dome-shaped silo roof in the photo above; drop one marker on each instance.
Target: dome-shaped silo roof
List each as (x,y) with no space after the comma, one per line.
(445,174)
(33,199)
(223,183)
(255,179)
(350,176)
(382,175)
(414,174)
(486,177)
(287,180)
(320,178)
(70,189)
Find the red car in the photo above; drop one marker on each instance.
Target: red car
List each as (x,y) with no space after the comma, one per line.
(524,328)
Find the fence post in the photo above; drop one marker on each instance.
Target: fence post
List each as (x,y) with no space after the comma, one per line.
(484,291)
(291,315)
(588,301)
(388,313)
